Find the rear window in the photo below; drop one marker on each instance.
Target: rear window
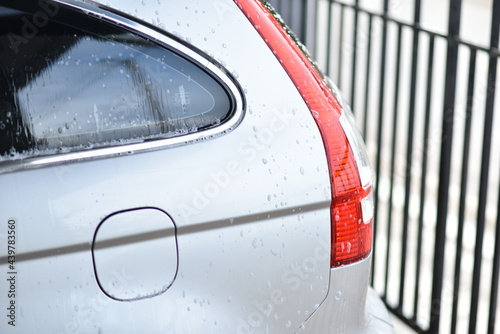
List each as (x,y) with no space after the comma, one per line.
(70,82)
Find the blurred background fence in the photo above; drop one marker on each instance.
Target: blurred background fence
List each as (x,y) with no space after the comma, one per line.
(421,79)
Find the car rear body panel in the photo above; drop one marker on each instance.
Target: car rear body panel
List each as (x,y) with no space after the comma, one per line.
(251,209)
(246,213)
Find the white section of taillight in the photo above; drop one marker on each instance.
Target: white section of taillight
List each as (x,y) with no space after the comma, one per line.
(367,208)
(350,173)
(358,146)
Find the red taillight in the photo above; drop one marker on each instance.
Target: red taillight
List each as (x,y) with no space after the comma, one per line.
(351,216)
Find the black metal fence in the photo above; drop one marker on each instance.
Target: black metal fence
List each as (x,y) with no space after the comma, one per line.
(425,101)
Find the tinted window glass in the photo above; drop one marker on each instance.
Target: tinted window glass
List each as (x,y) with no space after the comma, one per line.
(67,87)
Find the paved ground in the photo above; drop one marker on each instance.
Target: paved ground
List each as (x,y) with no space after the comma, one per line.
(400,327)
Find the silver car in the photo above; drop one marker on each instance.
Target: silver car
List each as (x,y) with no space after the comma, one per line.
(176,167)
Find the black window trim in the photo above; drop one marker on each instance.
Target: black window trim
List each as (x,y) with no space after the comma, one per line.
(165,40)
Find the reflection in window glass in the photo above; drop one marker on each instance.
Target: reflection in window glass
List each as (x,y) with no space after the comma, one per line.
(71,88)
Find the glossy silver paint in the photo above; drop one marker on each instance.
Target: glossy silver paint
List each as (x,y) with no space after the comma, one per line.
(351,306)
(250,209)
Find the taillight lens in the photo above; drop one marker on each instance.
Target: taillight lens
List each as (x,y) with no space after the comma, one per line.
(350,172)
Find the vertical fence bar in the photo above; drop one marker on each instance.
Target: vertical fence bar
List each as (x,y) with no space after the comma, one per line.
(354,55)
(313,39)
(428,93)
(483,189)
(445,163)
(495,275)
(341,44)
(289,6)
(463,188)
(367,82)
(303,22)
(380,121)
(311,22)
(409,149)
(393,155)
(329,39)
(279,6)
